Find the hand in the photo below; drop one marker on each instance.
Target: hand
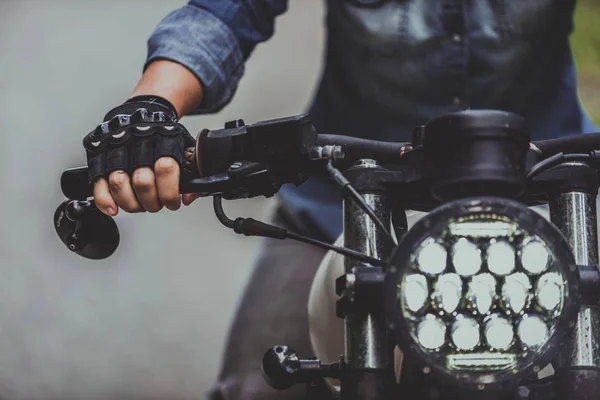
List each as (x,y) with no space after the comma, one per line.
(135,156)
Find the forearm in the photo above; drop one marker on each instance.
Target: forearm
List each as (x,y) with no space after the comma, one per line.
(173,82)
(207,42)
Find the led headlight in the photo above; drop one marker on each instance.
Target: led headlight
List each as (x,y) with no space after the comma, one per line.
(482,291)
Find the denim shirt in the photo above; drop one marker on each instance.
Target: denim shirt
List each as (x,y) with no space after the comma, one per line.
(393,67)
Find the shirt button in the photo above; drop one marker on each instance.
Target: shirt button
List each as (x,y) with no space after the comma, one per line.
(457,38)
(457,101)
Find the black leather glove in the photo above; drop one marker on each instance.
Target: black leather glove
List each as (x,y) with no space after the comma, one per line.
(136,134)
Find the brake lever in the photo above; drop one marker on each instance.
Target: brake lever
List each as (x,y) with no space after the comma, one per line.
(257,183)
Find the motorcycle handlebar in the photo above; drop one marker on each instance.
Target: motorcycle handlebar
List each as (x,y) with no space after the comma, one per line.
(75,181)
(582,143)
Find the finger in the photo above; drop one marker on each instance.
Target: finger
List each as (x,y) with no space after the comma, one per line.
(166,170)
(189,198)
(103,199)
(145,190)
(120,188)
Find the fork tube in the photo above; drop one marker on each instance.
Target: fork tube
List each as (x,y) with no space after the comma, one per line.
(368,354)
(573,211)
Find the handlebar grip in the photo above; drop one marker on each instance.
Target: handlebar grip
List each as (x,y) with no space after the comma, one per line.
(75,182)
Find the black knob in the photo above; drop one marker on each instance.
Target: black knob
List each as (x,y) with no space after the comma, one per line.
(85,230)
(76,210)
(280,366)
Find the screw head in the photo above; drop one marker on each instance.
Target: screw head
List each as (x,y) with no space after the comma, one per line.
(338,153)
(523,392)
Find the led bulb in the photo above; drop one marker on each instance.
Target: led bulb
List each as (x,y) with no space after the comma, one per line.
(482,291)
(415,291)
(432,258)
(515,291)
(465,333)
(532,331)
(466,257)
(549,290)
(448,292)
(534,257)
(431,333)
(499,333)
(501,258)
(482,228)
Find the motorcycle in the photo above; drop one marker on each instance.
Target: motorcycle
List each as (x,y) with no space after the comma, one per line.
(468,262)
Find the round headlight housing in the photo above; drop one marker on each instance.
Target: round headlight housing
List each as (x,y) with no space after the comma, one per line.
(495,291)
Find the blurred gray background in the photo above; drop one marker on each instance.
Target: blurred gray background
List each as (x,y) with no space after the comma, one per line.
(150,322)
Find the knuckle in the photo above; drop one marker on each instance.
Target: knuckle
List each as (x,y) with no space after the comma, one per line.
(165,166)
(143,181)
(117,180)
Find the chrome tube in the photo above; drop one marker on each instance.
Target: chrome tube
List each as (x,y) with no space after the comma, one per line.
(583,347)
(365,334)
(574,213)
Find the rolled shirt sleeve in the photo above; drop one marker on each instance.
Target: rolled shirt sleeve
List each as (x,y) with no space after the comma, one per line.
(212,39)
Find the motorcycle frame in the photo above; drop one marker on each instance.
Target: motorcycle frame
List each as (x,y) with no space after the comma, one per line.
(366,369)
(368,356)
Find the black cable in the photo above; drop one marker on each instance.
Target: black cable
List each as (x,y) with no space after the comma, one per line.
(358,199)
(341,250)
(252,227)
(220,213)
(553,161)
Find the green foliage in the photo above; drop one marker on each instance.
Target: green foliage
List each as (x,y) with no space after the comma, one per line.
(585,41)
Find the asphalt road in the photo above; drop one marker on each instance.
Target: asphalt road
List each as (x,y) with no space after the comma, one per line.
(150,322)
